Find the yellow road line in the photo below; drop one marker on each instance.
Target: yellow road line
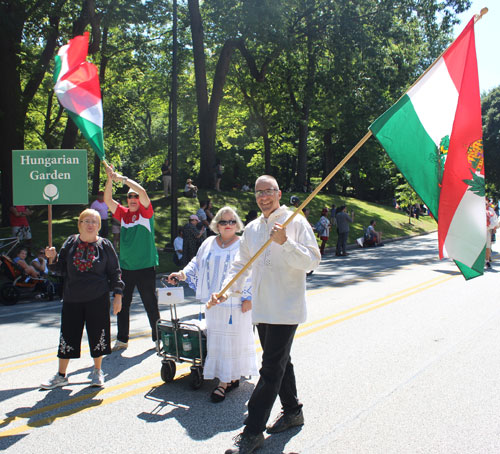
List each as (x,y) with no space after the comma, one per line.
(403,293)
(378,306)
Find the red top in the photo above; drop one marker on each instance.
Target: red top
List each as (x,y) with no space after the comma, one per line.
(16,221)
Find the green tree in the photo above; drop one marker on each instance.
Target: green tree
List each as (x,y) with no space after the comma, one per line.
(491,139)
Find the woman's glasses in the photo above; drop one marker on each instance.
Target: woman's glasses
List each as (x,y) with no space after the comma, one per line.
(89,221)
(132,196)
(231,222)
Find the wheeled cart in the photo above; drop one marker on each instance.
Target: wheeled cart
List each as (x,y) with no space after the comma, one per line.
(181,342)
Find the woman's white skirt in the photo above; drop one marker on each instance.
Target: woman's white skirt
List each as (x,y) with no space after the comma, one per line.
(230,347)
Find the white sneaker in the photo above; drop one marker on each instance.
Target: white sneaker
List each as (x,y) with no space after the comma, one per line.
(97,377)
(55,382)
(119,345)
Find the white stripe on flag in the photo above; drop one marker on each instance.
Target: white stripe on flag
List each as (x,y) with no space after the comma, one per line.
(469,218)
(435,100)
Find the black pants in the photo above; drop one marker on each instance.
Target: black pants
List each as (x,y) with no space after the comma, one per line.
(342,243)
(94,315)
(104,232)
(276,377)
(145,280)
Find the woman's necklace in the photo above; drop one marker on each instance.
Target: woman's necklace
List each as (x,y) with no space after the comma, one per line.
(223,244)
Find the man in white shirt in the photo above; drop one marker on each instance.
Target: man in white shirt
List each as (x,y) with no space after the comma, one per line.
(278,306)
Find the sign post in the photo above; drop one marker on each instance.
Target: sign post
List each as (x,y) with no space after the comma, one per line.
(50,177)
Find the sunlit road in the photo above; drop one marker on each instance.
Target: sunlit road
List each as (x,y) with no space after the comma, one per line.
(399,355)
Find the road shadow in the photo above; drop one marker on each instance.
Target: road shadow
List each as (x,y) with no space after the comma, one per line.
(41,413)
(188,407)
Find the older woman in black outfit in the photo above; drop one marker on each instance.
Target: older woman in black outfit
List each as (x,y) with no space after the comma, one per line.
(91,270)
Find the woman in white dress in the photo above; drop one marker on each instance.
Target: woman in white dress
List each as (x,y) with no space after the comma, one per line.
(230,338)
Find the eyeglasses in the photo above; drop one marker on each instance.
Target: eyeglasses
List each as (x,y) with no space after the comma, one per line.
(132,196)
(265,192)
(89,222)
(230,222)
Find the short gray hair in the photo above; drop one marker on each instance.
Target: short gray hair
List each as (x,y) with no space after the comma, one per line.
(214,225)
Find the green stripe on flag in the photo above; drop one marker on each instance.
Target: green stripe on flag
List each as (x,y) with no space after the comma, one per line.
(407,143)
(57,67)
(91,132)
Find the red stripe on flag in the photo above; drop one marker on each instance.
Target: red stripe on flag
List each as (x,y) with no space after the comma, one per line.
(77,50)
(85,76)
(466,130)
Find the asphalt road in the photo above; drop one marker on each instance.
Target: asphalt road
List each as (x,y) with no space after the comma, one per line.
(399,355)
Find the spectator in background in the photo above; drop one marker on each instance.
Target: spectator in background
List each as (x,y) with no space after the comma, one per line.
(166,176)
(343,221)
(218,169)
(491,227)
(39,263)
(20,260)
(202,216)
(372,237)
(115,229)
(192,239)
(245,187)
(210,216)
(333,210)
(138,253)
(251,215)
(99,205)
(178,246)
(190,190)
(20,226)
(325,222)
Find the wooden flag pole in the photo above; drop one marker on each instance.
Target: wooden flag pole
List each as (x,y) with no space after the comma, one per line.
(301,206)
(49,209)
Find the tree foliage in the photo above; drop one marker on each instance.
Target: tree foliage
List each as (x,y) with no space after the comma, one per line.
(278,86)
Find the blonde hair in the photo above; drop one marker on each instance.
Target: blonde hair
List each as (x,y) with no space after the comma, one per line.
(214,225)
(90,212)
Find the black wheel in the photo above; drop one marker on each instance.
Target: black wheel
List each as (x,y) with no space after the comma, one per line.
(196,377)
(167,371)
(9,294)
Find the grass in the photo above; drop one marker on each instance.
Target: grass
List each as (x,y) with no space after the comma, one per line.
(392,223)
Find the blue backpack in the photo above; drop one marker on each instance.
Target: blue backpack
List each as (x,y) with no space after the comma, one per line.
(319,227)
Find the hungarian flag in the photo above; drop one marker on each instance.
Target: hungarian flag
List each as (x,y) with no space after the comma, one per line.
(78,90)
(434,136)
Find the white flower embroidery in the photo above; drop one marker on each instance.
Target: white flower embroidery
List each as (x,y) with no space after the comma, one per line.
(63,346)
(101,345)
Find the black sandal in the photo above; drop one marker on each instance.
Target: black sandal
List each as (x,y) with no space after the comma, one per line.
(233,385)
(219,397)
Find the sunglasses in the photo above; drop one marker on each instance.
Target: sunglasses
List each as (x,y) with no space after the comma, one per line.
(231,222)
(132,196)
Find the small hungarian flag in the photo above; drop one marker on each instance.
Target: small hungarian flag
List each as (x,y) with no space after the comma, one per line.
(78,90)
(434,136)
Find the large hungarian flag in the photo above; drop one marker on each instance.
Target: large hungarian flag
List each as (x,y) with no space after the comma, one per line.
(78,90)
(434,136)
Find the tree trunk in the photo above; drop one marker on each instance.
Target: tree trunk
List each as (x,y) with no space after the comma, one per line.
(96,176)
(207,149)
(13,101)
(328,159)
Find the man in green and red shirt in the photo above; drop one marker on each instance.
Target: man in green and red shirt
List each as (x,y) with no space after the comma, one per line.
(138,254)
